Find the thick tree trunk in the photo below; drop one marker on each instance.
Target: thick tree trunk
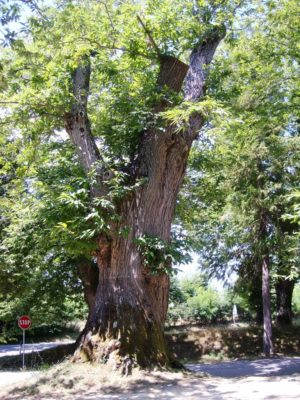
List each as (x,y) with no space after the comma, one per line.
(267,336)
(284,294)
(125,324)
(264,258)
(89,275)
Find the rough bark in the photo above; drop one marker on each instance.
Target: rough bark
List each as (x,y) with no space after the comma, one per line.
(284,294)
(201,57)
(172,73)
(89,275)
(267,336)
(125,325)
(285,286)
(77,125)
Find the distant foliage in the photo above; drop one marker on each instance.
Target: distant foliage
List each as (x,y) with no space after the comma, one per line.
(192,300)
(296,300)
(245,168)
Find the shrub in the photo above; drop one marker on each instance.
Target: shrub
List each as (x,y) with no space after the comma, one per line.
(192,300)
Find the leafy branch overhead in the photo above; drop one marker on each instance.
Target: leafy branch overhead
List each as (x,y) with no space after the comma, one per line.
(180,116)
(160,257)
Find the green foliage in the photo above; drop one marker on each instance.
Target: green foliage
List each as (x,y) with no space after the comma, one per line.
(190,286)
(176,295)
(179,116)
(296,300)
(193,300)
(207,306)
(48,221)
(247,164)
(293,199)
(36,278)
(39,64)
(38,260)
(159,256)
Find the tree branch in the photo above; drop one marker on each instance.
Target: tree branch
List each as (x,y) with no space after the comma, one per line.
(77,125)
(201,57)
(172,73)
(34,7)
(108,15)
(195,81)
(148,33)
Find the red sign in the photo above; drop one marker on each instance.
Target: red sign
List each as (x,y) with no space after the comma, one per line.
(24,322)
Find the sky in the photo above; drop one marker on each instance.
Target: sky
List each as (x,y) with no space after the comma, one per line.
(188,270)
(191,269)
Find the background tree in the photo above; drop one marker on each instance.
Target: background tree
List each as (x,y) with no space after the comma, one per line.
(252,155)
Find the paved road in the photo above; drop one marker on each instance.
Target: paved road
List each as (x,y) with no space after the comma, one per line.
(9,378)
(243,368)
(15,349)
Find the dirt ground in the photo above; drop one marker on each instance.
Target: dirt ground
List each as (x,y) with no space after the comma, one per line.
(82,382)
(231,341)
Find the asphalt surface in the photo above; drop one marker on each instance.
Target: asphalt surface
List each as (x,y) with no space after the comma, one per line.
(9,378)
(243,368)
(15,349)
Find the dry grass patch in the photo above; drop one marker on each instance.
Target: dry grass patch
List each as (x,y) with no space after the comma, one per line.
(84,382)
(76,381)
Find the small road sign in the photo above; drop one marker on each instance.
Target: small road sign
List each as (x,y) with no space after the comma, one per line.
(24,322)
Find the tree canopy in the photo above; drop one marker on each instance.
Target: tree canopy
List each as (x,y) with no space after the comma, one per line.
(101,103)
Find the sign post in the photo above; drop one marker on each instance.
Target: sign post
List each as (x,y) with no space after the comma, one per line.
(24,323)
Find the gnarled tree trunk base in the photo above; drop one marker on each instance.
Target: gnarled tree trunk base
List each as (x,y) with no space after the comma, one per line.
(123,335)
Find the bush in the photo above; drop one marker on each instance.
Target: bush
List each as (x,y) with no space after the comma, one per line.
(195,301)
(209,306)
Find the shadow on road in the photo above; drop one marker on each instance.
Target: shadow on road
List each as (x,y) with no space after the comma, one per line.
(244,368)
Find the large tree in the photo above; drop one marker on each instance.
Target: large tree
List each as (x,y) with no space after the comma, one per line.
(108,74)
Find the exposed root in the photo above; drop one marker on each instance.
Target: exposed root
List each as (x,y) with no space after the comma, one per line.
(104,353)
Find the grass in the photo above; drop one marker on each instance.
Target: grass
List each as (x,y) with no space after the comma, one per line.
(67,380)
